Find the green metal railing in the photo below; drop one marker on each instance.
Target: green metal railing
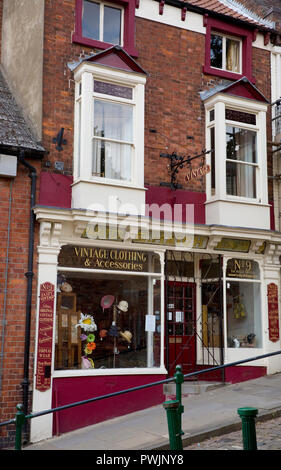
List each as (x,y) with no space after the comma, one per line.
(174,408)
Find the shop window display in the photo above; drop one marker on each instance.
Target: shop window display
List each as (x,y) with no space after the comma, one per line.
(243,304)
(107,321)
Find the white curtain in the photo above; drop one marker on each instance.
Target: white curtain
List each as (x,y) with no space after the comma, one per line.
(112,121)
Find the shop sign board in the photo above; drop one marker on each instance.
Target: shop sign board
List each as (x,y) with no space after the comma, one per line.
(242,269)
(231,244)
(45,336)
(273,312)
(103,258)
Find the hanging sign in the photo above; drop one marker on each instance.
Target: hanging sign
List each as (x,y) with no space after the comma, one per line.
(273,312)
(197,172)
(45,336)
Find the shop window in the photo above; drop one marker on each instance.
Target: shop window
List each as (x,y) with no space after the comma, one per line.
(101,24)
(228,50)
(243,304)
(105,319)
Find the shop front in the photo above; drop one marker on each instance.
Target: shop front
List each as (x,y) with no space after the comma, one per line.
(116,314)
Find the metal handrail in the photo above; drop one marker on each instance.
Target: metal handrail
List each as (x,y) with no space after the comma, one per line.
(20,418)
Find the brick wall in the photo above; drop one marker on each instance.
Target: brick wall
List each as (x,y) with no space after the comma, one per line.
(14,331)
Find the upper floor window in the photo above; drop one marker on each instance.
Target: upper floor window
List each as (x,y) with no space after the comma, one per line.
(226,53)
(101,24)
(113,137)
(228,50)
(109,125)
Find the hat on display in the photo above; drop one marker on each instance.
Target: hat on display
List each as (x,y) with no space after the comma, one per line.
(107,301)
(65,287)
(113,331)
(103,333)
(127,335)
(123,306)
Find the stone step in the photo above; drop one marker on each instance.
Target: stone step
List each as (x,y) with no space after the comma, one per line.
(190,388)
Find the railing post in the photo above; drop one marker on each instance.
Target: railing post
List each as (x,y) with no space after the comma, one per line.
(248,416)
(171,408)
(179,379)
(20,420)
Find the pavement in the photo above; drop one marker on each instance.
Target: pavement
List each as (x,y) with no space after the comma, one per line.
(209,413)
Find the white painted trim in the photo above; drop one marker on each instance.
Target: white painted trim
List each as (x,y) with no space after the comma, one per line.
(108,372)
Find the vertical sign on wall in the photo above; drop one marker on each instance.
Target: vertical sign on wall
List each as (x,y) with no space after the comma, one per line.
(273,312)
(45,336)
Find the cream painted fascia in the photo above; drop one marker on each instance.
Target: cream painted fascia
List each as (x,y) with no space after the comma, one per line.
(171,16)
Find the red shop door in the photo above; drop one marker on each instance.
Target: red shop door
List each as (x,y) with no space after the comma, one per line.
(181,324)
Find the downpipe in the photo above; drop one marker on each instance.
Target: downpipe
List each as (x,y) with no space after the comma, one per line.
(29,275)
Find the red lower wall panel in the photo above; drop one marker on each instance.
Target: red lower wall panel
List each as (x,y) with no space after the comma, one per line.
(72,389)
(238,374)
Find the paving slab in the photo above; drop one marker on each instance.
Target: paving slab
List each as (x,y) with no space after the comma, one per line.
(208,414)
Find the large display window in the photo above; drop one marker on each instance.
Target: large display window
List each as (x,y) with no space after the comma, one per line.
(243,304)
(108,319)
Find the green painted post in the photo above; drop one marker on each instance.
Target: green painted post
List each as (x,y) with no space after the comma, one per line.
(171,408)
(248,416)
(20,419)
(179,379)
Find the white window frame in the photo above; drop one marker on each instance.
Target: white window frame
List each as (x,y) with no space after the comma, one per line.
(224,38)
(84,78)
(118,100)
(219,103)
(101,20)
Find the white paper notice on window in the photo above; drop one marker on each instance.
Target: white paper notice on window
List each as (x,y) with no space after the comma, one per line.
(150,322)
(179,317)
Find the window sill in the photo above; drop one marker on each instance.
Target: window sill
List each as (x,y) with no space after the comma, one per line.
(253,202)
(77,39)
(225,74)
(105,372)
(108,182)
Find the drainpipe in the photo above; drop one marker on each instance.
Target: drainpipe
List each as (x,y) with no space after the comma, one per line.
(29,275)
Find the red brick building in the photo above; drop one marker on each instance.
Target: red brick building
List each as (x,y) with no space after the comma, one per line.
(156,210)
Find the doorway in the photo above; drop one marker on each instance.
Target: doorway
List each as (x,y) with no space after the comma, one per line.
(181,326)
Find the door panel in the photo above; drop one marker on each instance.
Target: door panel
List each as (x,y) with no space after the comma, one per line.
(181,318)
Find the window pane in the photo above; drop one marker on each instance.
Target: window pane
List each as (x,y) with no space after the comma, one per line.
(112,160)
(91,20)
(114,90)
(243,301)
(216,51)
(213,160)
(232,55)
(241,144)
(240,180)
(102,333)
(112,25)
(113,120)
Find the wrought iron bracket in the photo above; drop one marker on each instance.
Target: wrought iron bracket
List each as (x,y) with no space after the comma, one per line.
(177,162)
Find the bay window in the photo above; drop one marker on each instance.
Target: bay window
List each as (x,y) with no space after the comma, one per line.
(236,187)
(109,135)
(113,139)
(241,162)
